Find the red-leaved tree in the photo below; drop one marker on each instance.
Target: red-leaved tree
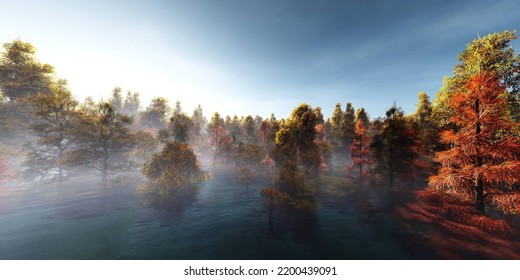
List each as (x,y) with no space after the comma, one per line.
(483,161)
(360,151)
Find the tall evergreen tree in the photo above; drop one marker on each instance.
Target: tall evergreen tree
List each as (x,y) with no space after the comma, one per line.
(295,140)
(362,115)
(250,135)
(394,146)
(117,100)
(426,128)
(484,156)
(131,104)
(199,124)
(335,126)
(216,128)
(348,125)
(360,152)
(154,116)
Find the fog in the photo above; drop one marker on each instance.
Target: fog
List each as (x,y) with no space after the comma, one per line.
(222,218)
(118,179)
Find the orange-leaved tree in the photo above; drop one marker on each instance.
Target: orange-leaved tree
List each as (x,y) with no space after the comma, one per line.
(360,151)
(483,161)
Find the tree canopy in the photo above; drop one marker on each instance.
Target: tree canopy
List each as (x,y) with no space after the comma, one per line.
(176,166)
(493,54)
(103,139)
(21,74)
(483,158)
(394,146)
(53,125)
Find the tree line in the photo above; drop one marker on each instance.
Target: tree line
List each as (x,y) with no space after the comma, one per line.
(465,142)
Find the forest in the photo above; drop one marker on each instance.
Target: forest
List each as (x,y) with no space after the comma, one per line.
(449,173)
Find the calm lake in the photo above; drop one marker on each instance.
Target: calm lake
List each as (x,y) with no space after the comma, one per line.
(222,219)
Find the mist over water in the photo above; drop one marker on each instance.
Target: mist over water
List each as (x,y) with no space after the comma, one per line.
(221,219)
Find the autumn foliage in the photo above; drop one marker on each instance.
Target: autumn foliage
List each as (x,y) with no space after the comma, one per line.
(360,152)
(483,160)
(303,155)
(395,148)
(173,168)
(454,229)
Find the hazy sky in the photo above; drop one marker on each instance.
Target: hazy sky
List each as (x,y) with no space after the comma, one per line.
(256,57)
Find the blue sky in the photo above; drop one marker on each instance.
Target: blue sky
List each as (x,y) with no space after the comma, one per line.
(257,57)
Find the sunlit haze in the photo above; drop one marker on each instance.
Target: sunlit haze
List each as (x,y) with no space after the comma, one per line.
(429,170)
(256,57)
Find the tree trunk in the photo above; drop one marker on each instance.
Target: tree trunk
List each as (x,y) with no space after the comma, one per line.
(479,183)
(360,151)
(105,163)
(105,175)
(60,169)
(60,174)
(104,171)
(480,206)
(360,175)
(270,221)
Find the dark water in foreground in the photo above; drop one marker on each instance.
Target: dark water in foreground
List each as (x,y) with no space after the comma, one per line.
(223,220)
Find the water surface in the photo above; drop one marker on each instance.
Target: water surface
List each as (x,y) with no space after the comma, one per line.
(223,219)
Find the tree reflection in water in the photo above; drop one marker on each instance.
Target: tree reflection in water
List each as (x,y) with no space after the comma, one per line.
(175,203)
